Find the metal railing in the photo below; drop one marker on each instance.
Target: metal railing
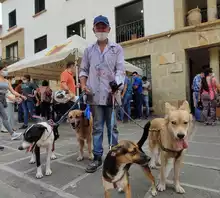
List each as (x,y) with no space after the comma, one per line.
(8,61)
(130,31)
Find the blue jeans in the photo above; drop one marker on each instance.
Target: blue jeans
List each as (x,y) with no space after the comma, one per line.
(102,114)
(28,107)
(146,103)
(20,113)
(126,104)
(138,104)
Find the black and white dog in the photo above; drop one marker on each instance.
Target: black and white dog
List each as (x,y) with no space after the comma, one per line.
(36,136)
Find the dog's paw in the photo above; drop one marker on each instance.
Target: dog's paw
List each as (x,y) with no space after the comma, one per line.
(80,158)
(153,192)
(32,161)
(48,172)
(120,190)
(152,165)
(53,156)
(161,187)
(179,189)
(39,175)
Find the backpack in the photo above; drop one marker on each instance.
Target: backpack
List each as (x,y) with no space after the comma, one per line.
(47,95)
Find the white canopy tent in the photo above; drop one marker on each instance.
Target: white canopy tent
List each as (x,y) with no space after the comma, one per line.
(48,64)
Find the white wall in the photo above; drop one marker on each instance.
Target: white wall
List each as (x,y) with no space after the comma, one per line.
(158,16)
(61,13)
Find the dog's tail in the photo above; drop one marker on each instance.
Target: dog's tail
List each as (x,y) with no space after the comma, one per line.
(144,136)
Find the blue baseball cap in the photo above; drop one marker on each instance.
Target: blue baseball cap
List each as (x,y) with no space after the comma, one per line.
(101,19)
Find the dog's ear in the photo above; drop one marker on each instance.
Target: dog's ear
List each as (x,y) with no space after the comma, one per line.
(110,164)
(185,106)
(35,132)
(168,108)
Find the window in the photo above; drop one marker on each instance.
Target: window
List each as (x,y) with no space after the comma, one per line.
(12,19)
(39,6)
(78,28)
(129,21)
(12,51)
(40,44)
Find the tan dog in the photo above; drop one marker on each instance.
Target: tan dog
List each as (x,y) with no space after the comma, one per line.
(167,141)
(83,129)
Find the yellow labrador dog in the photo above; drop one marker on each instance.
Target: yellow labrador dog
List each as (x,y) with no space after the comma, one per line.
(83,129)
(167,141)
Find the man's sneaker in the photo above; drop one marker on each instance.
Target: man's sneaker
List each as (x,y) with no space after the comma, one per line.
(1,148)
(23,127)
(93,166)
(16,136)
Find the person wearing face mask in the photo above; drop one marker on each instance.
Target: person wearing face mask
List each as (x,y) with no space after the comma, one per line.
(102,67)
(27,89)
(5,85)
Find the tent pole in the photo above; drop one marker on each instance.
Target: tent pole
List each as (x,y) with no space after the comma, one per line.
(77,71)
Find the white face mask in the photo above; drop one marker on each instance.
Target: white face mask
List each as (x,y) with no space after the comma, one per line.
(101,36)
(25,81)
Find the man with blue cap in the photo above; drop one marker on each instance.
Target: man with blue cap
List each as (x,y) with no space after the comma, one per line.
(102,68)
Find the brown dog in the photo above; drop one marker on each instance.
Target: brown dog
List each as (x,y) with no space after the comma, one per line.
(83,129)
(167,141)
(117,164)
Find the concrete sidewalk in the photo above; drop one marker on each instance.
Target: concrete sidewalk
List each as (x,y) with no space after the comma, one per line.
(199,175)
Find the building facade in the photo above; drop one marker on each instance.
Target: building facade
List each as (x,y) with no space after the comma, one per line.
(155,36)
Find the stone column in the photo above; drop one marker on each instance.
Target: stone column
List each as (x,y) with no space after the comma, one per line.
(179,13)
(214,61)
(212,10)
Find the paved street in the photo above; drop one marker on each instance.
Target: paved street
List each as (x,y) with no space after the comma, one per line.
(200,174)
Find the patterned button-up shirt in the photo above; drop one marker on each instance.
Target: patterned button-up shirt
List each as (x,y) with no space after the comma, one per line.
(196,83)
(101,68)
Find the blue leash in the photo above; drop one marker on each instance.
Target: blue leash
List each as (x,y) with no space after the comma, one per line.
(112,121)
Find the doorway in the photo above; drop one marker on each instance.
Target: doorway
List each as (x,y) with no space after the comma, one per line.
(197,60)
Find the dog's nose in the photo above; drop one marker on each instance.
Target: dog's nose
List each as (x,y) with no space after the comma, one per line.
(180,135)
(20,148)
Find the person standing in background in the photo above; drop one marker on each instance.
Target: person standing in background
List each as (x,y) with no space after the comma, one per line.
(28,88)
(46,97)
(68,85)
(20,109)
(138,100)
(5,85)
(208,91)
(126,100)
(10,99)
(196,85)
(146,88)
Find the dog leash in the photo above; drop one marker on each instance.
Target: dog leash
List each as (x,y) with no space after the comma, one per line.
(71,108)
(129,117)
(112,121)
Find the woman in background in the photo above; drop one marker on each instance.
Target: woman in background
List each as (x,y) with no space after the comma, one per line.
(10,99)
(208,93)
(5,85)
(46,98)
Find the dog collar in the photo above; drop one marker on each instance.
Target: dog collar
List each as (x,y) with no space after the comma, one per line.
(178,153)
